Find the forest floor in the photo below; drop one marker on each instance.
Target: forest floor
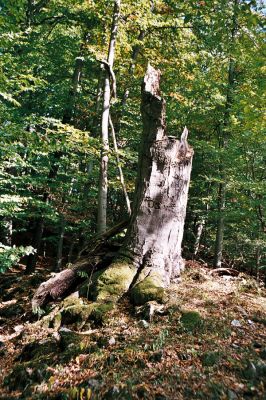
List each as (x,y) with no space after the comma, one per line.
(208,342)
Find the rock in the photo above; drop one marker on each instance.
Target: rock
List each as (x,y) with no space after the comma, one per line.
(250,372)
(101,312)
(144,323)
(149,309)
(148,289)
(108,285)
(255,370)
(39,350)
(68,338)
(111,341)
(75,311)
(236,323)
(156,356)
(231,395)
(25,374)
(261,369)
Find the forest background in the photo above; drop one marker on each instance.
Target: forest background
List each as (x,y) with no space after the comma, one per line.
(211,55)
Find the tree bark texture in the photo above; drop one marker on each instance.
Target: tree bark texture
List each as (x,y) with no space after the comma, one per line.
(155,234)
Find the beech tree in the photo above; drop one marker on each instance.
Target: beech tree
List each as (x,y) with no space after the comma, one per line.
(143,265)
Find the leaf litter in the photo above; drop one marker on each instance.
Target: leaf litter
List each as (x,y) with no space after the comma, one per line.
(208,343)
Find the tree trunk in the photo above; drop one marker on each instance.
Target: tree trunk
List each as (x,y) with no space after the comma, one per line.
(7,231)
(200,227)
(223,137)
(121,175)
(103,181)
(150,258)
(151,255)
(59,257)
(67,117)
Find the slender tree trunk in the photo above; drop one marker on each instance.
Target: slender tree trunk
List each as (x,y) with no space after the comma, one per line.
(121,175)
(200,227)
(7,231)
(67,117)
(103,181)
(36,244)
(60,245)
(218,254)
(135,53)
(223,143)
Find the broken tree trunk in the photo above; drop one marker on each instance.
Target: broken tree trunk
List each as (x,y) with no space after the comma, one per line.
(150,258)
(151,255)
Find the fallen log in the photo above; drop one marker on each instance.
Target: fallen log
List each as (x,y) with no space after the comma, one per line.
(99,254)
(225,271)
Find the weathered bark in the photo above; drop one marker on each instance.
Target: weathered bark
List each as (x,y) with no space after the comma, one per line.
(103,181)
(155,234)
(151,255)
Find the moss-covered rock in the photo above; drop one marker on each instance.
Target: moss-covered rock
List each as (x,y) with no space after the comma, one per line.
(75,311)
(101,312)
(110,284)
(26,374)
(191,320)
(148,289)
(39,350)
(73,344)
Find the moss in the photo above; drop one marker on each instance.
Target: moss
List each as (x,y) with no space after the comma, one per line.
(101,312)
(25,374)
(211,358)
(190,320)
(55,322)
(112,283)
(149,289)
(77,314)
(38,350)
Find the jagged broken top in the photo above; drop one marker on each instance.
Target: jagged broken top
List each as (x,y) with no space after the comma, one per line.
(152,81)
